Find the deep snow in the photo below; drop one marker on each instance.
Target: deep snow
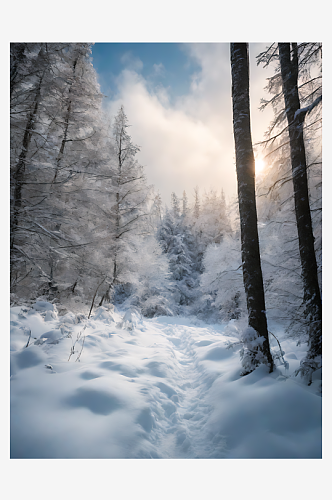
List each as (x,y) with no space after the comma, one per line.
(151,388)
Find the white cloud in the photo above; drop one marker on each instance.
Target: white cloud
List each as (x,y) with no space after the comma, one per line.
(131,62)
(191,142)
(159,69)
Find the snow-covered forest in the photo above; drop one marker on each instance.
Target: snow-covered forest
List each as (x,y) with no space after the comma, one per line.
(132,324)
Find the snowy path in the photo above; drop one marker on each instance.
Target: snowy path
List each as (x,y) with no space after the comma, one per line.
(180,431)
(159,388)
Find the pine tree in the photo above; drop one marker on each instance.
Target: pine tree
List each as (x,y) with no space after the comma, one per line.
(196,203)
(175,203)
(130,198)
(178,243)
(45,187)
(185,207)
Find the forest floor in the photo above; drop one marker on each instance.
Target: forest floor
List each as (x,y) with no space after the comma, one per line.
(167,387)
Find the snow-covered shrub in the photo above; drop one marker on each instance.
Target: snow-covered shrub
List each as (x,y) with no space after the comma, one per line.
(309,367)
(43,306)
(250,353)
(104,314)
(156,306)
(130,319)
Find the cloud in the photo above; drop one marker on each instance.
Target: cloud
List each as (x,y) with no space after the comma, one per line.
(190,142)
(131,62)
(159,69)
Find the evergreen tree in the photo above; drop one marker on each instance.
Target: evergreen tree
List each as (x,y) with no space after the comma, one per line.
(175,203)
(185,206)
(55,114)
(197,203)
(130,198)
(178,243)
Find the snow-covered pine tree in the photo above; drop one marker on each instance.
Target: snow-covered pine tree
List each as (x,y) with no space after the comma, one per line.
(178,243)
(51,150)
(150,287)
(130,197)
(156,211)
(196,209)
(211,223)
(185,205)
(31,84)
(175,204)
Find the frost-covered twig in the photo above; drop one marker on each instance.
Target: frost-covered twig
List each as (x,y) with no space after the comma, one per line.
(29,337)
(78,338)
(78,357)
(285,363)
(93,300)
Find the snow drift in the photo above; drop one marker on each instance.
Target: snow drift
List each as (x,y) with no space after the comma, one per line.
(120,386)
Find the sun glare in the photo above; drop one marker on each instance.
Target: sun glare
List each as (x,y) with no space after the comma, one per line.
(259,165)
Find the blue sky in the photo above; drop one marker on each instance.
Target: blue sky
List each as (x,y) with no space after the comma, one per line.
(177,97)
(164,63)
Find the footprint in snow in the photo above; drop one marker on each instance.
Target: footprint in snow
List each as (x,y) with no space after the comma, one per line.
(218,354)
(146,420)
(98,402)
(204,343)
(176,342)
(166,389)
(89,375)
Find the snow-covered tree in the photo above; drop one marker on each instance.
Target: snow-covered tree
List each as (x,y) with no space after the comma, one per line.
(149,289)
(185,205)
(55,110)
(245,168)
(295,118)
(175,204)
(210,223)
(223,296)
(296,95)
(178,243)
(129,201)
(196,209)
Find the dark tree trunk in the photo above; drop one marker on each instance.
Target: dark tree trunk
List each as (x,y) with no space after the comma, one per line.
(17,57)
(67,119)
(312,296)
(18,176)
(245,169)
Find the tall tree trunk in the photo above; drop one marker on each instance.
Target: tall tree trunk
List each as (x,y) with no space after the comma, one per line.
(18,176)
(311,291)
(17,57)
(245,169)
(67,119)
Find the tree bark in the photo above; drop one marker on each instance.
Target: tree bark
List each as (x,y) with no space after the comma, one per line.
(245,169)
(311,291)
(67,119)
(18,175)
(17,57)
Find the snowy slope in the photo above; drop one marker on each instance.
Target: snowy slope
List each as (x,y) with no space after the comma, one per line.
(158,388)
